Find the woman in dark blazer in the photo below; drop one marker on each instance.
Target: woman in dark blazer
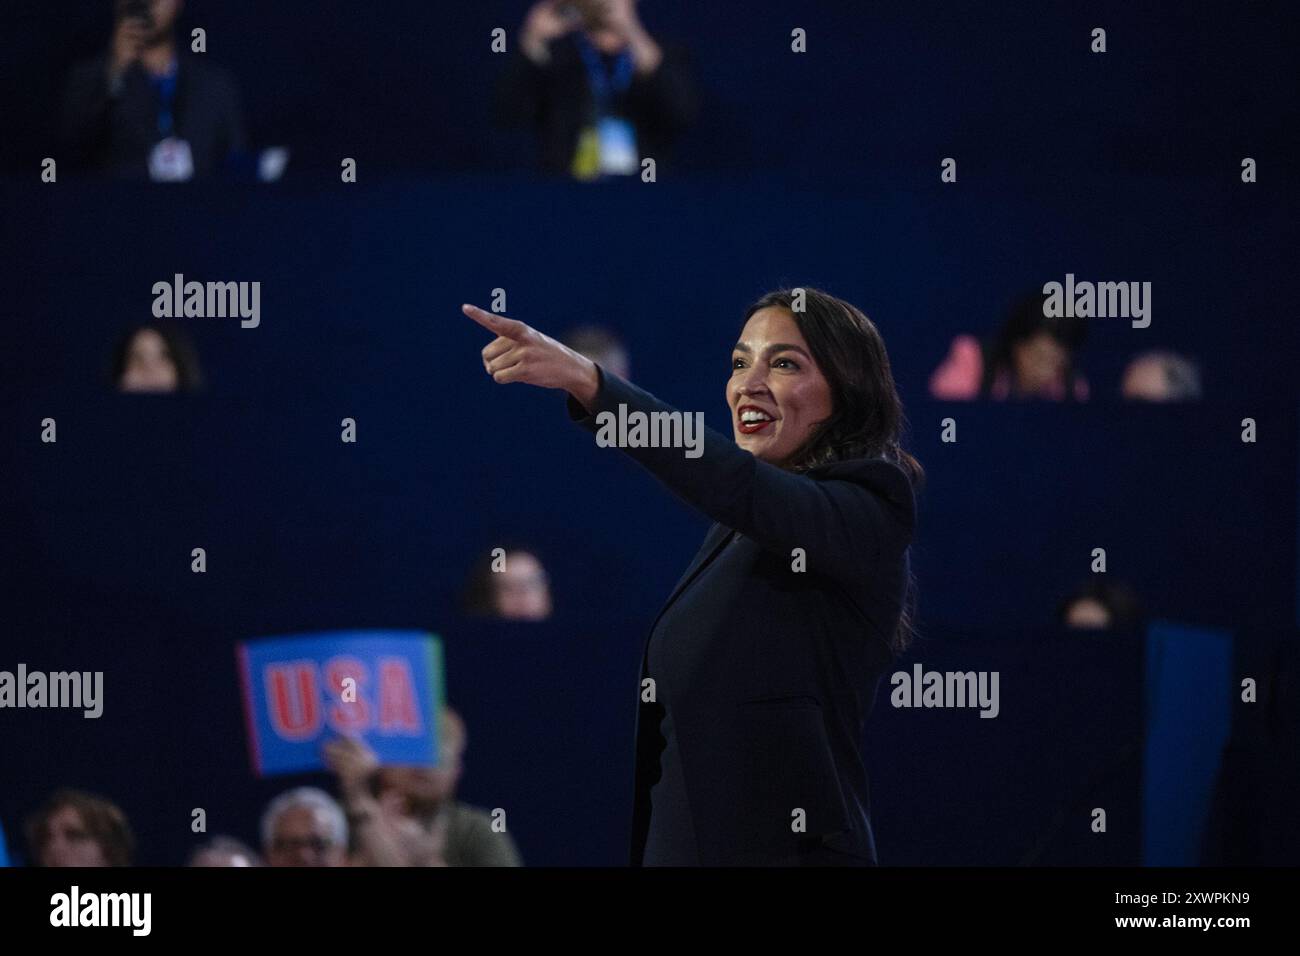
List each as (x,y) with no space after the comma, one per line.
(760,671)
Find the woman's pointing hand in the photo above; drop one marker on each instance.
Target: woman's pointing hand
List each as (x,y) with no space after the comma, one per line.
(520,353)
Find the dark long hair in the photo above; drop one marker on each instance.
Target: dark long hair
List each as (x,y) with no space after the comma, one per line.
(867,419)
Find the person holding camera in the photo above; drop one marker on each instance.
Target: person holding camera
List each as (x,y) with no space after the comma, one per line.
(140,109)
(597,89)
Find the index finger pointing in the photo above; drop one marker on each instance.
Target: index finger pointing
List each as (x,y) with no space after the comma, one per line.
(498,324)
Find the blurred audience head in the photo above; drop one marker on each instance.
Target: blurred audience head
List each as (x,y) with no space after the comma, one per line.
(305,827)
(156,357)
(602,18)
(512,586)
(1161,377)
(1101,605)
(74,828)
(1038,351)
(224,851)
(161,14)
(601,346)
(421,791)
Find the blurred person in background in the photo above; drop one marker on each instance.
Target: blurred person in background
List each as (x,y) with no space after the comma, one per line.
(599,91)
(157,357)
(601,346)
(409,816)
(75,828)
(1102,605)
(223,851)
(520,590)
(1161,377)
(141,109)
(1033,356)
(305,827)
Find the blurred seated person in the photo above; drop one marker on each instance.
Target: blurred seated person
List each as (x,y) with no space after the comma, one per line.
(223,851)
(305,827)
(601,346)
(599,91)
(1032,357)
(1161,377)
(511,587)
(1102,605)
(157,357)
(409,816)
(74,828)
(145,109)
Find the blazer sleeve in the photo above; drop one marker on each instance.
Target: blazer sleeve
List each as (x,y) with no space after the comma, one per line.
(847,516)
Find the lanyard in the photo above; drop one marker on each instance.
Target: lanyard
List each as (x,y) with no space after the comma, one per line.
(605,86)
(166,87)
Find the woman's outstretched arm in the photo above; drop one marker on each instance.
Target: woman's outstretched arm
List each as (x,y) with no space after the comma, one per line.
(848,519)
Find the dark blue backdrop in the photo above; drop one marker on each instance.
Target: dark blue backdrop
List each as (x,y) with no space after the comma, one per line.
(360,288)
(1011,89)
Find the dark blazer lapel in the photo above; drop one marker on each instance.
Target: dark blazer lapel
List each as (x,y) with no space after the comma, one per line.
(714,541)
(646,758)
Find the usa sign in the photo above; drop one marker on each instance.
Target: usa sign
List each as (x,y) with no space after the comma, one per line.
(385,687)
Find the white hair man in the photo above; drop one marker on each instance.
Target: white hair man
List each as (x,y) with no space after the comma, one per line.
(305,827)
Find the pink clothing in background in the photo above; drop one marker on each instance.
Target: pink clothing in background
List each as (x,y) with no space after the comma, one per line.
(958,377)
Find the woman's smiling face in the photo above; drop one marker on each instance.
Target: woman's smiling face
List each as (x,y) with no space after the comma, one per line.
(778,395)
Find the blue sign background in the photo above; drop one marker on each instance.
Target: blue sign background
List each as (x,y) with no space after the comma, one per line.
(309,667)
